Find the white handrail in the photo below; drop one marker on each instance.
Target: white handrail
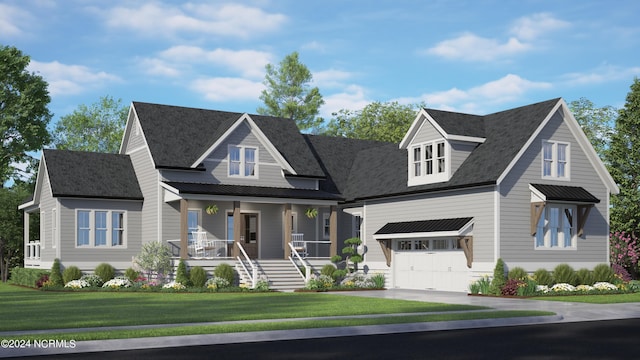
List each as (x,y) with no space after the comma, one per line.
(253,275)
(307,269)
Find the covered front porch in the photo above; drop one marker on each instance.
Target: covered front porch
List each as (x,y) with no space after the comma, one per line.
(203,224)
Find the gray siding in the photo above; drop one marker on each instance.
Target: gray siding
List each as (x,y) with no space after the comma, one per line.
(459,153)
(136,140)
(517,244)
(72,255)
(47,204)
(148,179)
(426,133)
(476,203)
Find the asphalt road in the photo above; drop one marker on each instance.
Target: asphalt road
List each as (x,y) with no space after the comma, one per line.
(612,339)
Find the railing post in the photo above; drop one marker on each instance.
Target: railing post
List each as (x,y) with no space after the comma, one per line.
(254,277)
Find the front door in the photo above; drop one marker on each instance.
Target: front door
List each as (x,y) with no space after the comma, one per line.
(249,237)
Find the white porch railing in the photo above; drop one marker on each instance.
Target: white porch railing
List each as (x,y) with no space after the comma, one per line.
(296,256)
(205,249)
(32,250)
(253,274)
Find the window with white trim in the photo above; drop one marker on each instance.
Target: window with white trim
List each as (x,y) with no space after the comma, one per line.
(193,223)
(100,228)
(555,159)
(556,228)
(436,244)
(428,162)
(326,226)
(243,161)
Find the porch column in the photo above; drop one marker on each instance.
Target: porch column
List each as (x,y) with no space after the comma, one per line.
(237,231)
(333,230)
(26,233)
(287,230)
(184,229)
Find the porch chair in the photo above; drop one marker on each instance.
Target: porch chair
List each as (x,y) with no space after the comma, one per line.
(200,241)
(301,247)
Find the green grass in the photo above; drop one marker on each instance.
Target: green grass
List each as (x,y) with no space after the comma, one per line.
(26,309)
(594,299)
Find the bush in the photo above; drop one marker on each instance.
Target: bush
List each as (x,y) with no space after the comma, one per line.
(585,277)
(71,273)
(216,283)
(620,273)
(226,272)
(518,273)
(378,281)
(564,274)
(55,278)
(28,277)
(543,277)
(498,278)
(481,286)
(511,286)
(44,279)
(131,274)
(603,273)
(105,271)
(328,269)
(182,275)
(155,259)
(198,276)
(340,274)
(321,282)
(528,287)
(92,279)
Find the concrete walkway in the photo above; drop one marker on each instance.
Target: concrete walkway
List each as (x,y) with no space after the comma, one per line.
(566,312)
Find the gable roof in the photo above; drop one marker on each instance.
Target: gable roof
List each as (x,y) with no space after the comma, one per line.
(382,171)
(179,136)
(91,175)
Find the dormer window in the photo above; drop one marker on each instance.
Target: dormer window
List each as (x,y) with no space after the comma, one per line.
(428,163)
(555,160)
(243,161)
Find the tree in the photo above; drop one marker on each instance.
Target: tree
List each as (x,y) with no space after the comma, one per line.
(377,121)
(97,127)
(597,123)
(11,227)
(23,112)
(623,159)
(289,95)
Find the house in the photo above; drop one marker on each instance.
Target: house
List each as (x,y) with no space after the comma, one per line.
(434,212)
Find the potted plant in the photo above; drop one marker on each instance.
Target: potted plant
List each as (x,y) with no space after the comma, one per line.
(211,209)
(311,213)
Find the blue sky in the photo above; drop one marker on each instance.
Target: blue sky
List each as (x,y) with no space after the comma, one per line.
(470,56)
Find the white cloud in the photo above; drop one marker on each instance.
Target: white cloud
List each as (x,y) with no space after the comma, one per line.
(474,48)
(226,20)
(248,63)
(532,27)
(482,97)
(331,78)
(12,21)
(352,98)
(602,74)
(69,79)
(227,89)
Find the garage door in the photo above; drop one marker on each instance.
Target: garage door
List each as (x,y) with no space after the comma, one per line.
(414,268)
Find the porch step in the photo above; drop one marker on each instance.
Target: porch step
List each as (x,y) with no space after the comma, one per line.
(281,274)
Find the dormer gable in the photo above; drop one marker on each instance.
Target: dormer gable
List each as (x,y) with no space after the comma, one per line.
(438,142)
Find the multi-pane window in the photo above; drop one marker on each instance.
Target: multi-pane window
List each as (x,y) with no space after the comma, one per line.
(243,161)
(556,227)
(438,244)
(555,159)
(193,223)
(326,226)
(100,228)
(428,162)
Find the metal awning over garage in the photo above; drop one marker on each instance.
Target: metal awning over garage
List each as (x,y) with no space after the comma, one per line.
(454,227)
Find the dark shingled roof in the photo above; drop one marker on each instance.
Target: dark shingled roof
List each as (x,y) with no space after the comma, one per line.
(91,175)
(566,193)
(382,171)
(258,191)
(178,136)
(459,124)
(423,226)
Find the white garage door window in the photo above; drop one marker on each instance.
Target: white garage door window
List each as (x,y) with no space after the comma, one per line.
(437,264)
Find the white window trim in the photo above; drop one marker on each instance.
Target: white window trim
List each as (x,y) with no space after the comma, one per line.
(414,244)
(92,229)
(547,234)
(243,162)
(554,161)
(436,176)
(326,226)
(199,214)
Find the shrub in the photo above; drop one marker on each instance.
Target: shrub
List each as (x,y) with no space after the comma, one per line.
(55,278)
(71,273)
(77,284)
(321,282)
(603,273)
(198,276)
(498,278)
(585,277)
(518,273)
(155,259)
(29,277)
(182,275)
(510,288)
(105,271)
(336,259)
(528,287)
(216,283)
(564,273)
(92,279)
(226,272)
(117,282)
(262,285)
(340,274)
(378,280)
(624,250)
(131,274)
(328,269)
(620,273)
(481,286)
(543,277)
